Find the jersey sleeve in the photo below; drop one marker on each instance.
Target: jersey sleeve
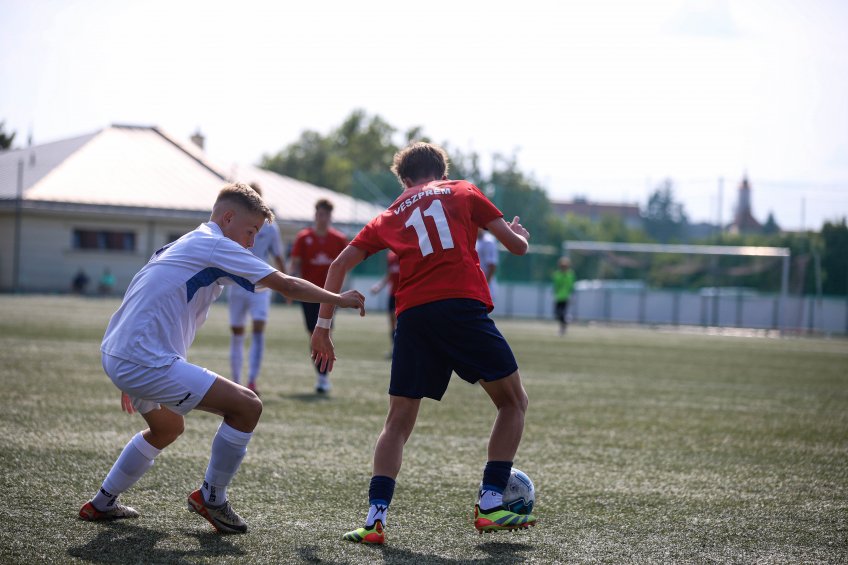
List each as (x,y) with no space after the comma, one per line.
(368,239)
(234,260)
(482,209)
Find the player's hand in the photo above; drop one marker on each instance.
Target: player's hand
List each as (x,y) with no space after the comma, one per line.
(353,299)
(518,228)
(126,403)
(323,351)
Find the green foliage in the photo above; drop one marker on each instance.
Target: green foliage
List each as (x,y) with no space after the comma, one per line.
(6,139)
(353,159)
(835,257)
(771,227)
(665,220)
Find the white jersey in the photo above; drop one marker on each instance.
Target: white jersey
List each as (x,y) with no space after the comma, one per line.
(487,251)
(169,298)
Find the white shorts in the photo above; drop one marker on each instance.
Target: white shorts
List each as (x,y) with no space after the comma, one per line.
(180,386)
(243,301)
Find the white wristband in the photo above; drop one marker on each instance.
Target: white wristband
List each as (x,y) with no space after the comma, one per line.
(325,323)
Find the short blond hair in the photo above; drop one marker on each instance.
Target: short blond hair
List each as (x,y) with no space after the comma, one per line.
(243,195)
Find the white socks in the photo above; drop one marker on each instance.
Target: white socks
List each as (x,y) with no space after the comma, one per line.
(257,346)
(490,499)
(377,512)
(136,458)
(228,449)
(236,356)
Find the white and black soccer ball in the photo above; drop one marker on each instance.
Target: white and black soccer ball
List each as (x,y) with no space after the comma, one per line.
(520,494)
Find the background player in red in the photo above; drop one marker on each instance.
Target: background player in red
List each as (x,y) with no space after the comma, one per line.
(313,251)
(391,279)
(442,325)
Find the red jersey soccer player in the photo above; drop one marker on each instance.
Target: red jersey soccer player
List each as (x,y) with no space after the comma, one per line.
(442,325)
(313,251)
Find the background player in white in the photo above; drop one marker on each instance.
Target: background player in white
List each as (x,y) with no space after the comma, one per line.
(258,304)
(145,348)
(487,251)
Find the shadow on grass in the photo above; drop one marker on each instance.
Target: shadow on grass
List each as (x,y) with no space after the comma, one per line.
(498,553)
(120,542)
(310,397)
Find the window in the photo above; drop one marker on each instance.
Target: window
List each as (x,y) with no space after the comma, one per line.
(104,240)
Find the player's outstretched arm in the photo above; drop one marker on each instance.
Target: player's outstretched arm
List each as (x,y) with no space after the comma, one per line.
(513,235)
(323,350)
(305,291)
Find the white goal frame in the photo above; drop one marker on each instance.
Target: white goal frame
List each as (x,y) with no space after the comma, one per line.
(739,251)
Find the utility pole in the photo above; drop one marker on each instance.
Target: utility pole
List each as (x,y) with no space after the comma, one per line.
(720,204)
(16,257)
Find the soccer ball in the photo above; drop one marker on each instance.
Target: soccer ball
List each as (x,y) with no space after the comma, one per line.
(519,495)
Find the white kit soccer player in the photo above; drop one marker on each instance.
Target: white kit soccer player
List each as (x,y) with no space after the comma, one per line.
(145,349)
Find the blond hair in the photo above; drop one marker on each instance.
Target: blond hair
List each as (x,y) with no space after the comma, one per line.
(242,195)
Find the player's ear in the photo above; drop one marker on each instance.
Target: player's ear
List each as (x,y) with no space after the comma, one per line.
(228,216)
(444,177)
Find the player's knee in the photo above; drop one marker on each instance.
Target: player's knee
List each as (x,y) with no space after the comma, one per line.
(162,436)
(253,407)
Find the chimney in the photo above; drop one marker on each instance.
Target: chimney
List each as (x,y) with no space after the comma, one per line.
(198,138)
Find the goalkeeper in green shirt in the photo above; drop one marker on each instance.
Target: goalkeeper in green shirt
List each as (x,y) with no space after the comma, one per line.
(563,285)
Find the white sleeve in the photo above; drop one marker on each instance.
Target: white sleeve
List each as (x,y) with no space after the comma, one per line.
(492,252)
(236,261)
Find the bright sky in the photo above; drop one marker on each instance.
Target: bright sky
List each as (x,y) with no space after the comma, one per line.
(600,98)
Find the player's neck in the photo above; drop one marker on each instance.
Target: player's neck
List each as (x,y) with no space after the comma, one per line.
(321,231)
(419,183)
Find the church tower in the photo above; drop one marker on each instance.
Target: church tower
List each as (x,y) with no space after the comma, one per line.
(743,220)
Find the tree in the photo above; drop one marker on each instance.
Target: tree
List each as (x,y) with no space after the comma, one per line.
(6,139)
(351,159)
(771,227)
(665,220)
(834,259)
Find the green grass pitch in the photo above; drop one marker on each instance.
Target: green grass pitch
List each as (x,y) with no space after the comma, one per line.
(645,446)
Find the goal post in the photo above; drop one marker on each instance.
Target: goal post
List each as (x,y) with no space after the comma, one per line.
(714,250)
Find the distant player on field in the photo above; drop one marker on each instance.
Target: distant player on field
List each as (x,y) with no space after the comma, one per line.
(487,251)
(146,343)
(312,253)
(258,304)
(563,286)
(442,326)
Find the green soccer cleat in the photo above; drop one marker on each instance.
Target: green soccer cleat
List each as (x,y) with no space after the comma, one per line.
(499,518)
(375,534)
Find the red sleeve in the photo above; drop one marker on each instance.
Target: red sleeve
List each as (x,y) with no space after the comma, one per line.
(482,209)
(368,239)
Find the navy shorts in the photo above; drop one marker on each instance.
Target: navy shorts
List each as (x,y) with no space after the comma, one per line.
(310,314)
(435,339)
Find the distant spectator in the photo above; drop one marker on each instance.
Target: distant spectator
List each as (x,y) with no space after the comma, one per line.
(107,283)
(79,282)
(563,285)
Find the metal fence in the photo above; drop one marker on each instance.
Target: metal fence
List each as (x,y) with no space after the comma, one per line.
(806,314)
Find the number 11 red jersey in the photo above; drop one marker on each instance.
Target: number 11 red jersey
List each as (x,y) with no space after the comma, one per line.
(433,230)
